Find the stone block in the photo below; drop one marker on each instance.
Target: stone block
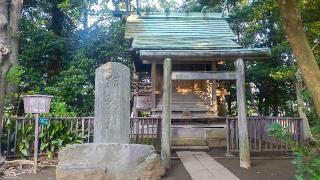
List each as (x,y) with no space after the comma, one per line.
(109,161)
(181,132)
(211,133)
(188,142)
(218,142)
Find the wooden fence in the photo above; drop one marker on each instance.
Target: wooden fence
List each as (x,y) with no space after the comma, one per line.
(259,140)
(146,131)
(18,133)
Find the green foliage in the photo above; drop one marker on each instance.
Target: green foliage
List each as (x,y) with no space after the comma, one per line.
(57,135)
(61,44)
(283,74)
(202,6)
(313,118)
(52,137)
(307,159)
(60,109)
(14,75)
(25,142)
(283,133)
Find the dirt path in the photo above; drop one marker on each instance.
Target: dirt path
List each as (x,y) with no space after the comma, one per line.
(177,172)
(277,169)
(261,169)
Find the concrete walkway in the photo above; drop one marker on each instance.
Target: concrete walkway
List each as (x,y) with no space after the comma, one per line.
(201,166)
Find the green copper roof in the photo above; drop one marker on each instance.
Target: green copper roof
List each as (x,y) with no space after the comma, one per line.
(180,31)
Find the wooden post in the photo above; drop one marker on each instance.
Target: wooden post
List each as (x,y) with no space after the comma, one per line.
(154,83)
(242,119)
(134,108)
(36,144)
(166,114)
(214,91)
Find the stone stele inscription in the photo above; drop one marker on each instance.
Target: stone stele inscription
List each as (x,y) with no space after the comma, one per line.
(112,104)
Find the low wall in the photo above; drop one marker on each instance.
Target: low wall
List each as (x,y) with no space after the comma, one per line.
(199,135)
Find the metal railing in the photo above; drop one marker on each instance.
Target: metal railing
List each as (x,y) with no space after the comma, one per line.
(259,140)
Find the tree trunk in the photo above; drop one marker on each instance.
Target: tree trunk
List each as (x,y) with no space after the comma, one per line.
(306,128)
(4,58)
(15,16)
(9,45)
(305,59)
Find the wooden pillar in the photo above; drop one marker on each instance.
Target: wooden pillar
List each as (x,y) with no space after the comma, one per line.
(242,118)
(154,83)
(36,144)
(222,101)
(166,114)
(134,108)
(214,103)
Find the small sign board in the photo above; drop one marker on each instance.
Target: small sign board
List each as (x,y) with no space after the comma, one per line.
(36,103)
(44,121)
(144,102)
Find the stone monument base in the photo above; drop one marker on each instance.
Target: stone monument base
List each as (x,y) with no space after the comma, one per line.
(109,161)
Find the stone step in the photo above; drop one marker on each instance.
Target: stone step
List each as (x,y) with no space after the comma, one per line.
(184,100)
(173,109)
(190,148)
(175,95)
(192,113)
(195,104)
(182,96)
(175,106)
(187,103)
(188,142)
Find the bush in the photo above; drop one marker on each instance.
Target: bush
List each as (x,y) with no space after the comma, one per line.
(307,158)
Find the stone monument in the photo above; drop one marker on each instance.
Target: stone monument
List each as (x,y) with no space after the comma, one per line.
(112,104)
(110,157)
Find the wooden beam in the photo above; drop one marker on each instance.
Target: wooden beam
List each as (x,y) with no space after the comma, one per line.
(166,114)
(242,117)
(154,83)
(204,61)
(205,55)
(214,102)
(205,75)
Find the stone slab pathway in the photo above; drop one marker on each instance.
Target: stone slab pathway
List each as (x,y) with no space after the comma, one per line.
(201,166)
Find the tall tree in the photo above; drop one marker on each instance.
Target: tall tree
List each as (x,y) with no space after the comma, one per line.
(306,127)
(305,58)
(10,14)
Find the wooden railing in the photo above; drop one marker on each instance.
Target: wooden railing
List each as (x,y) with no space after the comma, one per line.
(143,130)
(146,130)
(259,140)
(19,132)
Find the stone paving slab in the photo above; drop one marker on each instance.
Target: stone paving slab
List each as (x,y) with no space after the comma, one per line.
(201,166)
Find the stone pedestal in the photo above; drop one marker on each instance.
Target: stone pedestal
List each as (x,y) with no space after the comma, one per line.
(109,162)
(112,104)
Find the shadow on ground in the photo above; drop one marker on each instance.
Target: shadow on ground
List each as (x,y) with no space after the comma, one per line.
(276,166)
(276,169)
